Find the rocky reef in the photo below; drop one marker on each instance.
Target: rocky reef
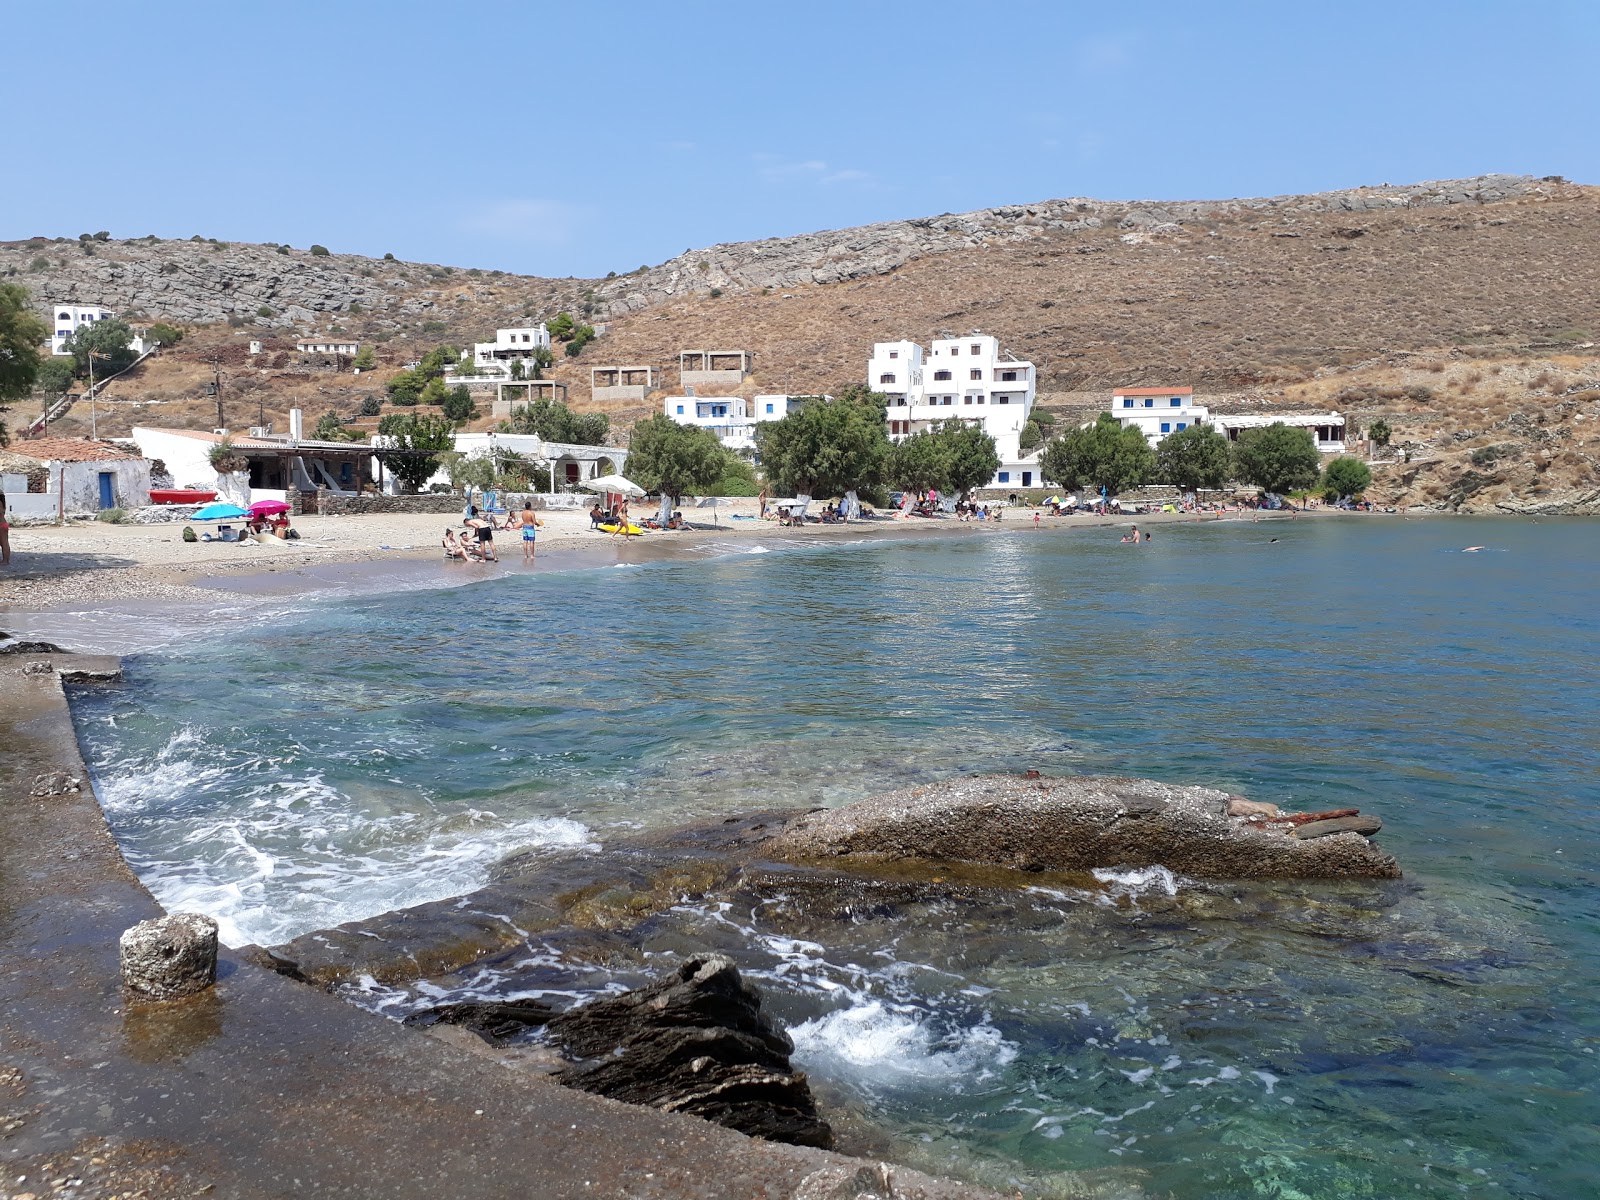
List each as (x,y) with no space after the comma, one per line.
(695,1042)
(1078,824)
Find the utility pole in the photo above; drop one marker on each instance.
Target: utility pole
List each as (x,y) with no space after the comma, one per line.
(93,430)
(216,389)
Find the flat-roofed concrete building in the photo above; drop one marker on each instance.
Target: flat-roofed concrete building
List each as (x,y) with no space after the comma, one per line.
(622,383)
(1327,429)
(708,368)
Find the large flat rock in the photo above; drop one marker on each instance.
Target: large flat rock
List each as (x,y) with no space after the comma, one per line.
(1069,824)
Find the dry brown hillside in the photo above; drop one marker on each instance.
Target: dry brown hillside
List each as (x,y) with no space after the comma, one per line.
(1252,302)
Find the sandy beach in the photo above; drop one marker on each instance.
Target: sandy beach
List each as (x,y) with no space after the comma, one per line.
(94,562)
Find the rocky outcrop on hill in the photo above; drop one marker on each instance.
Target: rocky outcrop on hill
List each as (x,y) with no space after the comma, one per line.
(1077,824)
(842,254)
(267,286)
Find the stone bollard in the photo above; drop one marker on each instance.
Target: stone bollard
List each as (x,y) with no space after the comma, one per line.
(172,956)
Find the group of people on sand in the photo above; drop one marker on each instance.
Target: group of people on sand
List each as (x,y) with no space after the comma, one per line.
(476,542)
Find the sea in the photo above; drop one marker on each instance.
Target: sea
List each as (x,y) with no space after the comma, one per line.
(289,764)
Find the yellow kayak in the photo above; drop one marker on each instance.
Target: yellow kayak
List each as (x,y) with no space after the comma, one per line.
(631,529)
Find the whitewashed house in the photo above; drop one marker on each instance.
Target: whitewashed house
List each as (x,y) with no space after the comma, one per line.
(972,379)
(67,319)
(51,478)
(1157,412)
(732,418)
(275,464)
(1327,429)
(495,358)
(566,465)
(328,345)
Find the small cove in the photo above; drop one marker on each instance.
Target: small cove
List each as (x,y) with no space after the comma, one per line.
(370,752)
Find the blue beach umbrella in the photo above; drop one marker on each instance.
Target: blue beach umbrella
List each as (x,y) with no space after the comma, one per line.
(218,510)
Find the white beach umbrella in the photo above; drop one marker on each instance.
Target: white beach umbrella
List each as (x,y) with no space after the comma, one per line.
(613,484)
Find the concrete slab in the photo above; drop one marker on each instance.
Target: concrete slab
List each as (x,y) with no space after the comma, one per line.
(265,1087)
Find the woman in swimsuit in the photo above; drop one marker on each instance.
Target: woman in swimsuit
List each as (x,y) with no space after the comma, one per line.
(5,534)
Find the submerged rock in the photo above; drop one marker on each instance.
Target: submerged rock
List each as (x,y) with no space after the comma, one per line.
(1072,824)
(697,1042)
(494,1021)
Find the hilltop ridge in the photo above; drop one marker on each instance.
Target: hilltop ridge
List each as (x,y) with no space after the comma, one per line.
(1366,299)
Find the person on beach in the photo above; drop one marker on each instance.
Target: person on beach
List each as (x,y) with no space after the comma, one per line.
(485,536)
(530,530)
(1036,519)
(452,546)
(5,534)
(596,515)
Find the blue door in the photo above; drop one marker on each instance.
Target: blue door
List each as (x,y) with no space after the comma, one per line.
(108,497)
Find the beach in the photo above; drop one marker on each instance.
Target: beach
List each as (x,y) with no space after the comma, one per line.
(91,561)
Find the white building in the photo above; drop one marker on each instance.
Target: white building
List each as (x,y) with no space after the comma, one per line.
(69,318)
(509,344)
(972,379)
(568,465)
(274,465)
(1157,412)
(732,418)
(50,478)
(327,345)
(1327,429)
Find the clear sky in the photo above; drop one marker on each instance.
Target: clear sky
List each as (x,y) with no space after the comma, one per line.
(585,138)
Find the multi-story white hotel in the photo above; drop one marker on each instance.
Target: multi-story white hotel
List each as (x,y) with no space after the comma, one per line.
(1157,412)
(732,418)
(972,379)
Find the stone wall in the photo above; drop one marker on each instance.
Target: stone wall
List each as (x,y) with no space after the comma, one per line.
(329,505)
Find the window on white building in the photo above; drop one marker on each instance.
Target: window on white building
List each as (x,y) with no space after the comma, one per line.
(1008,377)
(680,410)
(1126,402)
(885,378)
(1149,403)
(1176,402)
(940,376)
(1002,399)
(1027,479)
(1183,424)
(976,349)
(976,374)
(968,400)
(769,408)
(980,399)
(1166,427)
(894,354)
(1004,477)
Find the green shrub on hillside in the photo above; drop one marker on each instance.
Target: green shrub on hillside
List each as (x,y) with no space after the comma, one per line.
(319,251)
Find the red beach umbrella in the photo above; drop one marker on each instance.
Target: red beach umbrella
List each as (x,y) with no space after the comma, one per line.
(268,508)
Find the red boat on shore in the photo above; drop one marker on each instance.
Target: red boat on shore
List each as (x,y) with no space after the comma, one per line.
(181,495)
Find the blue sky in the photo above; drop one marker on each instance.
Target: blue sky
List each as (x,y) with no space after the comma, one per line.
(585,138)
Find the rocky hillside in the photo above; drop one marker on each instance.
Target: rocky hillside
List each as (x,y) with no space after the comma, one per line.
(1254,302)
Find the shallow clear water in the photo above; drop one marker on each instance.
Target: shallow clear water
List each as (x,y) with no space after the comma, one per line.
(1432,1038)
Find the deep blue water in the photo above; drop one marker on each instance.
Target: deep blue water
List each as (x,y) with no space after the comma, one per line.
(1432,1038)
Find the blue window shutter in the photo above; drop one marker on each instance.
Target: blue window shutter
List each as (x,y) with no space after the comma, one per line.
(1005,476)
(1166,427)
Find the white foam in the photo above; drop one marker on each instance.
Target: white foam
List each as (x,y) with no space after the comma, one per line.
(298,854)
(1138,881)
(877,1044)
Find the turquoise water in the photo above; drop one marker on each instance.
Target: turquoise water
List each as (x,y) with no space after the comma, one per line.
(1430,1038)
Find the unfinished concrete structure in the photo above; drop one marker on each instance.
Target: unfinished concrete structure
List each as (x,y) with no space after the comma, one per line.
(711,367)
(622,383)
(532,389)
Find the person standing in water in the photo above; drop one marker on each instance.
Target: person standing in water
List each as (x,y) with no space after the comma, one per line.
(530,530)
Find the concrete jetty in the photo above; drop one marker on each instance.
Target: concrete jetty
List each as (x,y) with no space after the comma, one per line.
(264,1087)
